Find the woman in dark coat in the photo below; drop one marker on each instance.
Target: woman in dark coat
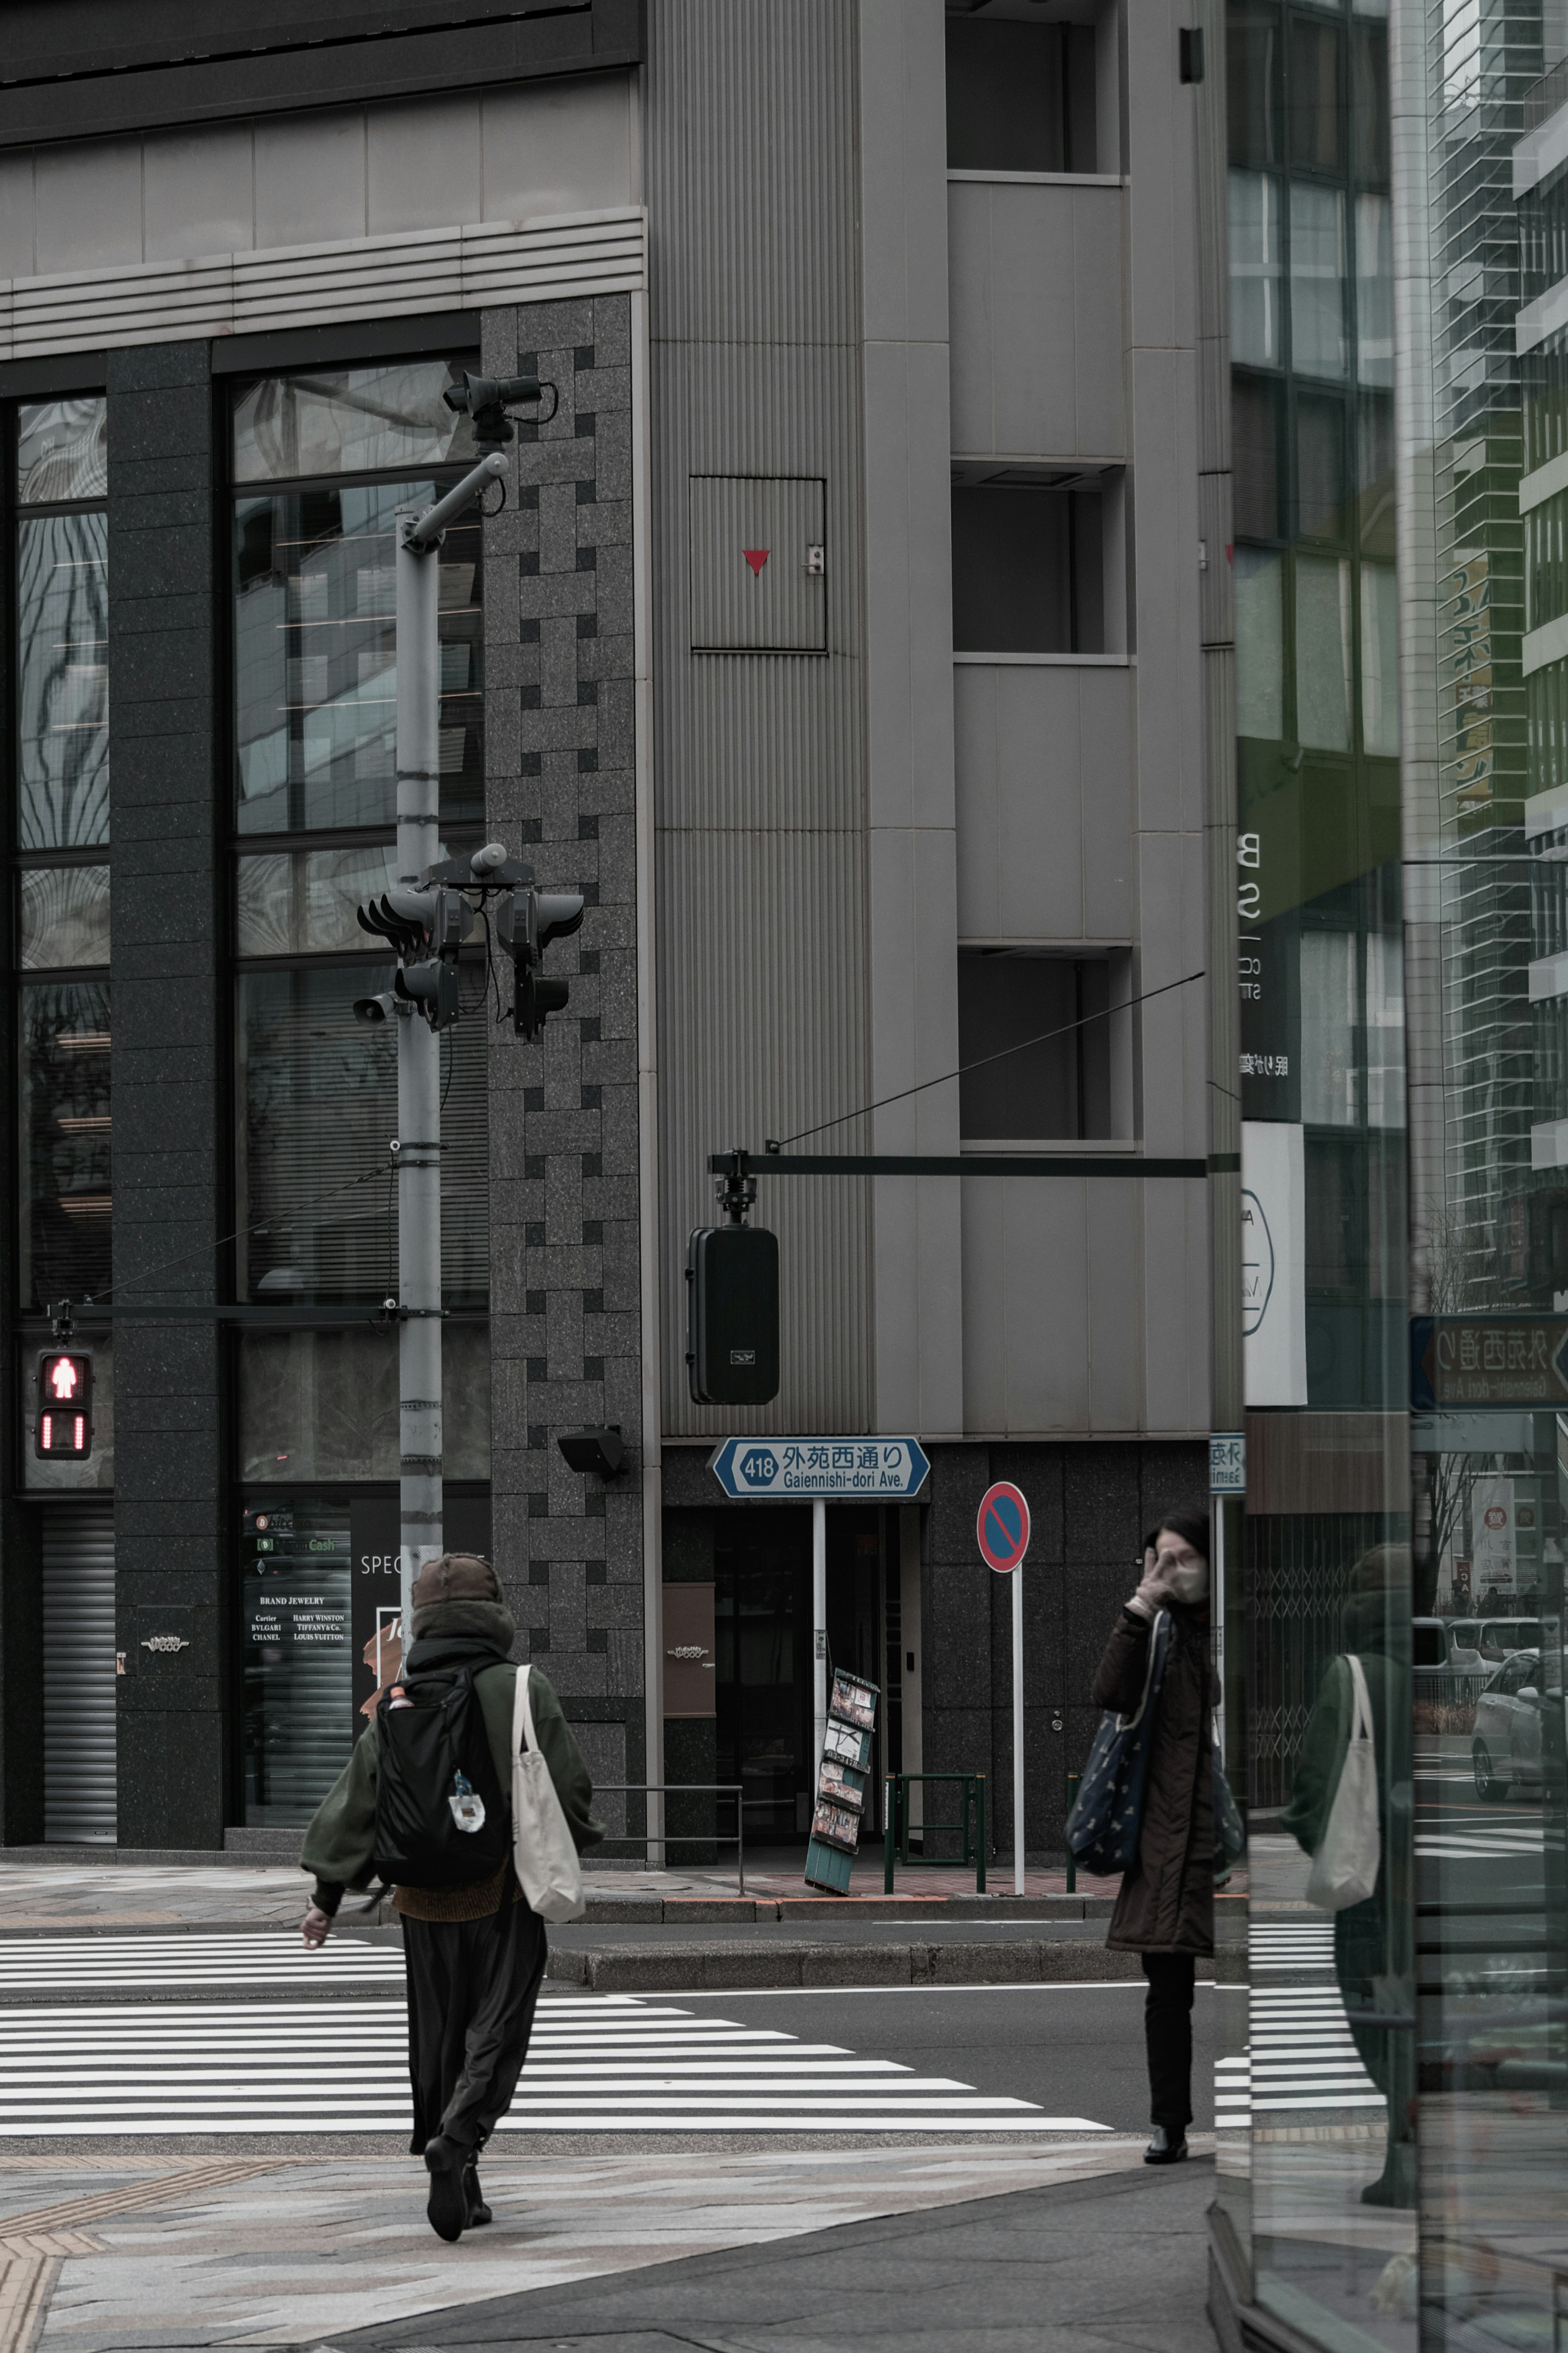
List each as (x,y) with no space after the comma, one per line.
(1165,1910)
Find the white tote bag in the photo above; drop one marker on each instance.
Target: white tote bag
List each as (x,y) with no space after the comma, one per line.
(1344,1868)
(547,1867)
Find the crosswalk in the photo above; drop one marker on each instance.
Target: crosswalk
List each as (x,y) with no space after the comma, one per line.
(179,1963)
(1487,1843)
(1303,2054)
(598,2063)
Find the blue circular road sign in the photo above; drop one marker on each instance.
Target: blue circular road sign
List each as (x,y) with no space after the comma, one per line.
(1002,1527)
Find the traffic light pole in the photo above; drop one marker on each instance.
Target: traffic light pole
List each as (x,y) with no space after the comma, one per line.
(418,577)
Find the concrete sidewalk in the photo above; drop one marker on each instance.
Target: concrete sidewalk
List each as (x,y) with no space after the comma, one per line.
(1114,2264)
(109,2252)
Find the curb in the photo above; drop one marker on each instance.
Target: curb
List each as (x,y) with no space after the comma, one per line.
(727,1968)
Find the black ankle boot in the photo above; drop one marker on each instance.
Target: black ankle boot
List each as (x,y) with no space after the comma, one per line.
(477,2210)
(1163,2150)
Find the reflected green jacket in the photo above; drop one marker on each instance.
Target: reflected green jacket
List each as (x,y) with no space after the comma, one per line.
(1323,1757)
(340,1845)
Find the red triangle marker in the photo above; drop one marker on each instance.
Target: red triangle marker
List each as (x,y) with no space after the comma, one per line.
(756,557)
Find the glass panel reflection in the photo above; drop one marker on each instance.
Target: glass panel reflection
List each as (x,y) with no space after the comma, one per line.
(62,682)
(315,660)
(323,1405)
(317,1102)
(65,1141)
(64,916)
(302,902)
(62,450)
(350,421)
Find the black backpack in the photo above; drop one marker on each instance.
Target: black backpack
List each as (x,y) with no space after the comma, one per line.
(434,1763)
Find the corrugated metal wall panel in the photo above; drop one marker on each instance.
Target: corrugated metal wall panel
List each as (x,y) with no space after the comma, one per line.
(79,1674)
(754,1046)
(751,171)
(758,775)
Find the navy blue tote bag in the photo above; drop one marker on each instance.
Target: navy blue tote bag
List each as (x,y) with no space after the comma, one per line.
(1107,1813)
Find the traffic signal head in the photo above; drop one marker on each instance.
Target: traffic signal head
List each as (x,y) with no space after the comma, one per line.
(63,1425)
(733,1315)
(527,921)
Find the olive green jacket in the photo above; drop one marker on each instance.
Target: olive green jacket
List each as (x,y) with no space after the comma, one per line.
(340,1845)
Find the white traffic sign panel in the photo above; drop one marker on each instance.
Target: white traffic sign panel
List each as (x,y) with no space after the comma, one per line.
(1002,1527)
(838,1470)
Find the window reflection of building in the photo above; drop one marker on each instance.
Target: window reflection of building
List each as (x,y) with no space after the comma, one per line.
(61,838)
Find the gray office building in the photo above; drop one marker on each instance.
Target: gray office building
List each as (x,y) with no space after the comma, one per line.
(854,637)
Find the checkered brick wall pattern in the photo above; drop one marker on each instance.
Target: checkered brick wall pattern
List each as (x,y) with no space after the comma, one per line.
(564,1276)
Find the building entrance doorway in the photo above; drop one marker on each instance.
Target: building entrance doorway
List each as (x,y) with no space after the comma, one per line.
(757,1558)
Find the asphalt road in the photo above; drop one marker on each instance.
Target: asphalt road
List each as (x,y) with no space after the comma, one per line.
(1075,2049)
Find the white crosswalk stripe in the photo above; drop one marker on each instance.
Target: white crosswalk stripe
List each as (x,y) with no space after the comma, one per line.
(109,1964)
(601,2062)
(1303,2054)
(1487,1841)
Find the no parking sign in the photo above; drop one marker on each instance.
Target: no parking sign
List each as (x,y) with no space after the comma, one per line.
(1002,1527)
(1002,1531)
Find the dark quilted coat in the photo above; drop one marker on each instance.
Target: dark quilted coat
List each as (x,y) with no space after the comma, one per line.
(1166,1903)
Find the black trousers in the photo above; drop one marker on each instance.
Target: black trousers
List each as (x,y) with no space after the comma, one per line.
(1168,2034)
(472,1988)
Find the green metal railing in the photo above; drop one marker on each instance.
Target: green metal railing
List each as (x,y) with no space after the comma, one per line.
(896,1835)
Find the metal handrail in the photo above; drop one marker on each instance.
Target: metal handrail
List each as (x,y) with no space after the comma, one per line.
(896,1833)
(736,1790)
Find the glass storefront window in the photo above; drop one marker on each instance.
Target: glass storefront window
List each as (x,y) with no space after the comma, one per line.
(65,1140)
(315,658)
(318,1104)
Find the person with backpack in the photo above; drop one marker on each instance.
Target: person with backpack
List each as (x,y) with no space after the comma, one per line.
(1165,1912)
(424,1804)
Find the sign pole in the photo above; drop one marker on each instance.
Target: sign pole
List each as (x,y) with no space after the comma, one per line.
(1002,1531)
(818,1634)
(1018,1582)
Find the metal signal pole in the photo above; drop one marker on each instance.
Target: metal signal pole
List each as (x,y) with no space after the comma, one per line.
(419,536)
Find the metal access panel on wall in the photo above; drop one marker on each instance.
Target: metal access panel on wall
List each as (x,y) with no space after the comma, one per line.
(79,1674)
(759,569)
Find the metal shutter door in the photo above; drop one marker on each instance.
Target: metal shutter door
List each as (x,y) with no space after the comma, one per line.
(79,1674)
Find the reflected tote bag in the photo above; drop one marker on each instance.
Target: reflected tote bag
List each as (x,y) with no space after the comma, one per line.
(1344,1868)
(548,1870)
(1107,1813)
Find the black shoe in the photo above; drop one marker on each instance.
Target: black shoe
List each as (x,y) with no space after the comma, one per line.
(447,2204)
(477,2210)
(1164,2151)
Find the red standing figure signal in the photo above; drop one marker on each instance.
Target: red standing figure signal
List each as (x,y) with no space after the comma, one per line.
(65,1404)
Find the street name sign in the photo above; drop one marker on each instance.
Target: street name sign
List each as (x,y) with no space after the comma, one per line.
(838,1470)
(1487,1360)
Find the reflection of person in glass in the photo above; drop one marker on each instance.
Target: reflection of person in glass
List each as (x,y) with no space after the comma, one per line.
(1372,1958)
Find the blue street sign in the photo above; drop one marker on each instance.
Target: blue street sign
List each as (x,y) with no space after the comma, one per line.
(841,1469)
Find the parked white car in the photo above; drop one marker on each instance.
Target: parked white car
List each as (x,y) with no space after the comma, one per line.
(1507,1745)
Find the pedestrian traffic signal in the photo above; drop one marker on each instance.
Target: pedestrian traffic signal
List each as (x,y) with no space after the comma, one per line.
(527,921)
(733,1315)
(64,1424)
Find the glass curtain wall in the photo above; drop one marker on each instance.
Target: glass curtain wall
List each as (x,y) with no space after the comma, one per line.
(1404,834)
(1324,2129)
(321,464)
